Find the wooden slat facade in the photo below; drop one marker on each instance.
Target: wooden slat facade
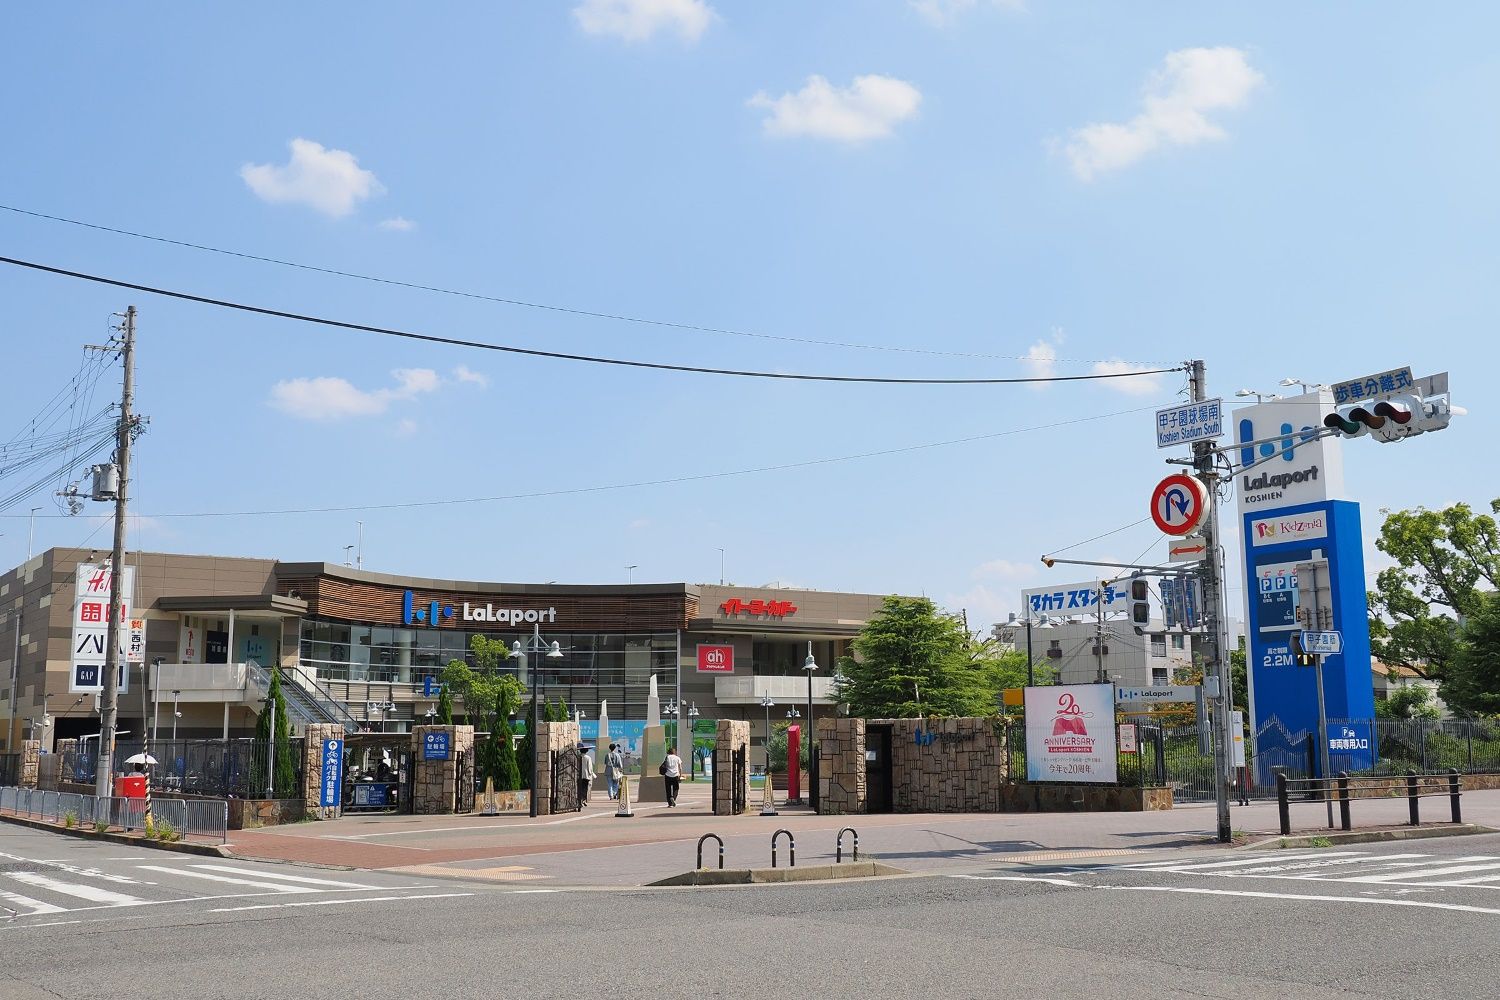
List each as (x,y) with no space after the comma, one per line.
(373,604)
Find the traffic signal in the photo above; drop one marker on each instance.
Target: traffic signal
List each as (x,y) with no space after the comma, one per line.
(1391,418)
(1300,656)
(1140,601)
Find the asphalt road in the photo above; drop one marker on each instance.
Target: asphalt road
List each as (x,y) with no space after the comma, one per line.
(1412,920)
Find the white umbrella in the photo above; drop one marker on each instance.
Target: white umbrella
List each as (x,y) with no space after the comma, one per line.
(140,758)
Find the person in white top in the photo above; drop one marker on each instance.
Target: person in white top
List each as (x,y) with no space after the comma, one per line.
(672,769)
(585,773)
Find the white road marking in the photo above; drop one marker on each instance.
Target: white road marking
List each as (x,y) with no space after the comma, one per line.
(334,902)
(1318,863)
(1422,873)
(1026,878)
(1310,898)
(93,894)
(277,886)
(288,878)
(34,905)
(1177,866)
(63,866)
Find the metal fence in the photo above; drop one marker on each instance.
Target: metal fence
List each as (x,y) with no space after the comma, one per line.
(231,769)
(187,817)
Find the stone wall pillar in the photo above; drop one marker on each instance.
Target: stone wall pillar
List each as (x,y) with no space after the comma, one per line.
(946,765)
(732,736)
(842,785)
(312,768)
(551,737)
(31,752)
(435,782)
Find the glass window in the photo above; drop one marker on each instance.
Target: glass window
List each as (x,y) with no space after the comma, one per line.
(1178,642)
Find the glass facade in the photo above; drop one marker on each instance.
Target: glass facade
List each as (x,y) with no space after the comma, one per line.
(595,666)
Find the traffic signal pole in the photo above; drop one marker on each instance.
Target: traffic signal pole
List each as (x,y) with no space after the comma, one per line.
(1211,575)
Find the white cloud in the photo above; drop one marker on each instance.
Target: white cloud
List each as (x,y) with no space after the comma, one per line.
(466,374)
(639,20)
(328,180)
(1189,83)
(639,524)
(1003,569)
(326,398)
(1041,357)
(867,109)
(397,224)
(406,427)
(1140,385)
(943,12)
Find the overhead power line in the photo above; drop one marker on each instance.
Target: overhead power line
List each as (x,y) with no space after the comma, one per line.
(675,480)
(559,355)
(544,306)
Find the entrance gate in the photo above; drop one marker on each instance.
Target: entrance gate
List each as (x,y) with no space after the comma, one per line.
(378,772)
(740,784)
(463,783)
(565,770)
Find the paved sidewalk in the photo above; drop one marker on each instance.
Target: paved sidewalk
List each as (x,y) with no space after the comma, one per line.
(594,848)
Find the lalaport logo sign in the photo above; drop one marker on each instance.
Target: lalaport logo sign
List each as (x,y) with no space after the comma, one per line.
(1284,457)
(436,613)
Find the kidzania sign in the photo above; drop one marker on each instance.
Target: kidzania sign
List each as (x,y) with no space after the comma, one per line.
(435,613)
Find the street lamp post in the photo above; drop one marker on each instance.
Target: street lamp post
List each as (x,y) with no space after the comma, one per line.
(811,665)
(175,715)
(768,703)
(791,714)
(554,652)
(692,714)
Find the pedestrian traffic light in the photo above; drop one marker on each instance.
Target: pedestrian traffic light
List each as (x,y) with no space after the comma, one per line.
(1299,656)
(1391,418)
(1140,601)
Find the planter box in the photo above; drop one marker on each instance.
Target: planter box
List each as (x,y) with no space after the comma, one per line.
(1082,798)
(247,814)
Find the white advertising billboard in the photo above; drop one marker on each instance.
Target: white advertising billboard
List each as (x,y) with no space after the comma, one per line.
(91,598)
(1070,733)
(1296,466)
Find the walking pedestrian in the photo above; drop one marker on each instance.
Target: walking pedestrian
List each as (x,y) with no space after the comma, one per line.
(614,767)
(585,773)
(672,770)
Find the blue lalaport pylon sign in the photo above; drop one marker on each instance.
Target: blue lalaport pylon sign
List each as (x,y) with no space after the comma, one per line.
(1292,512)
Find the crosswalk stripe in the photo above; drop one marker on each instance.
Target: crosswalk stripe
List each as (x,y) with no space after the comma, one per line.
(1316,865)
(278,886)
(92,893)
(1420,873)
(288,878)
(1171,866)
(34,905)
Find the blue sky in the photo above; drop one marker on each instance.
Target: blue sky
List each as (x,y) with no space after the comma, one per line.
(1288,190)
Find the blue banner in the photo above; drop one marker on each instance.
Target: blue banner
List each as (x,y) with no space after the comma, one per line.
(333,772)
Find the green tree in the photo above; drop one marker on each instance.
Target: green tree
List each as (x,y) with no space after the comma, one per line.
(528,745)
(1406,702)
(444,706)
(285,770)
(1472,683)
(1445,561)
(489,695)
(913,660)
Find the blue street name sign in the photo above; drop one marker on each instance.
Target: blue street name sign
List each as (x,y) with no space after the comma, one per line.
(435,746)
(333,772)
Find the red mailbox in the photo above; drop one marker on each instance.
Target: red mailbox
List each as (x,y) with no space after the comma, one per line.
(130,786)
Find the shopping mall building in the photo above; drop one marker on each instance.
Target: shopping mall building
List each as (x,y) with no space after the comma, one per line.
(365,649)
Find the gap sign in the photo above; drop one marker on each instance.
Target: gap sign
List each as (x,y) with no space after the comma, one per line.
(435,746)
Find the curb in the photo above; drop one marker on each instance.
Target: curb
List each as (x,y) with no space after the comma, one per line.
(178,847)
(748,876)
(1335,838)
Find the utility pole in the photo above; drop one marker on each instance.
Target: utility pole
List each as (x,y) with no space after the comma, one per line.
(1213,606)
(1099,634)
(109,695)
